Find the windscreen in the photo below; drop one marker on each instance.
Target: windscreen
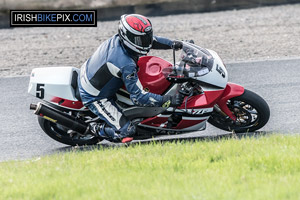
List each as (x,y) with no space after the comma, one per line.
(195,61)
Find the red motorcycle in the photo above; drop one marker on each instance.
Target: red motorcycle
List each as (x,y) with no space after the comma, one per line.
(200,75)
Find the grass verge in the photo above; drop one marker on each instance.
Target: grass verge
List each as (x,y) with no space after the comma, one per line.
(248,168)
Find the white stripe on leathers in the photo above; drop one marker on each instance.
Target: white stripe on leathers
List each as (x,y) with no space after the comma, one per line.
(107,107)
(85,83)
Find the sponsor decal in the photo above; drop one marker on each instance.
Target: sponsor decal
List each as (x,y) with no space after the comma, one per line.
(62,18)
(50,119)
(201,111)
(131,76)
(147,29)
(166,104)
(106,112)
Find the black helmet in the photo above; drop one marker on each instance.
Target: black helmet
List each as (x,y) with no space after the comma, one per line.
(136,33)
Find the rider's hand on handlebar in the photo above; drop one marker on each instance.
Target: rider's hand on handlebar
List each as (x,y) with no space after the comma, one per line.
(190,41)
(173,101)
(177,45)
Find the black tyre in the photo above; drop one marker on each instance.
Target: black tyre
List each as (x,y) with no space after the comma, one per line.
(60,134)
(251,110)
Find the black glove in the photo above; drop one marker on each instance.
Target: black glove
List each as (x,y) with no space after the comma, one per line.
(177,45)
(173,101)
(190,41)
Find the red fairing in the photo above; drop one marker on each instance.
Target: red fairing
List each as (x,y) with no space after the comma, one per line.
(67,103)
(155,121)
(187,123)
(206,100)
(231,90)
(162,122)
(150,74)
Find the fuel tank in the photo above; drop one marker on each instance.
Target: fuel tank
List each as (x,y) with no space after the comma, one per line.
(151,76)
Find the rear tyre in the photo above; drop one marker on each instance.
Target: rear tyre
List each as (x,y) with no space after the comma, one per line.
(251,110)
(60,134)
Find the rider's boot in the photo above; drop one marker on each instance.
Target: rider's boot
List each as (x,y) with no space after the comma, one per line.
(102,131)
(95,129)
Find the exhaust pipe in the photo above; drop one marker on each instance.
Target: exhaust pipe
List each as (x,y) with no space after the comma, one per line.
(56,116)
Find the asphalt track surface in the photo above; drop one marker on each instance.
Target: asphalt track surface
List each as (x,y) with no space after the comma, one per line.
(277,81)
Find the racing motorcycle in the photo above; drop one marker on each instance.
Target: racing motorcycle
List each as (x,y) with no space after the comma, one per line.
(199,75)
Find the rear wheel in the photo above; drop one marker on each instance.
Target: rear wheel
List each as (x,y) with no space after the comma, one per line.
(251,110)
(60,134)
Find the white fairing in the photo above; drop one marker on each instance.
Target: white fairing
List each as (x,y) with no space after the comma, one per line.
(49,82)
(218,75)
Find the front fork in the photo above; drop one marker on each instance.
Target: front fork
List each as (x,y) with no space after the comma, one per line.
(232,90)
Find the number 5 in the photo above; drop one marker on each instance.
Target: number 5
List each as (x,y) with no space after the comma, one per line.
(40,90)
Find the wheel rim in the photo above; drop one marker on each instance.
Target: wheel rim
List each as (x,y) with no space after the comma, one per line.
(247,116)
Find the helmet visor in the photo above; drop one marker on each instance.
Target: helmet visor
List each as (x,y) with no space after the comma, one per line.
(142,41)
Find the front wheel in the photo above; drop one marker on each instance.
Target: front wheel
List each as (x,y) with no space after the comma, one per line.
(60,134)
(252,113)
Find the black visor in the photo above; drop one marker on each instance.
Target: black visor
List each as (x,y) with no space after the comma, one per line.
(143,41)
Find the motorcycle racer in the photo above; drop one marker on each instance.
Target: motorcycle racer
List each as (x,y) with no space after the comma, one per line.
(113,65)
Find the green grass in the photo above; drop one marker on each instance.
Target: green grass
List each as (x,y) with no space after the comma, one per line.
(250,168)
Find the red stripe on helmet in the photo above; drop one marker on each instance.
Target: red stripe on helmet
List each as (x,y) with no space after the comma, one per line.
(138,22)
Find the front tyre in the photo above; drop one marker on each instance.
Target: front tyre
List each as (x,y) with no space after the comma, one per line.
(60,134)
(252,113)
